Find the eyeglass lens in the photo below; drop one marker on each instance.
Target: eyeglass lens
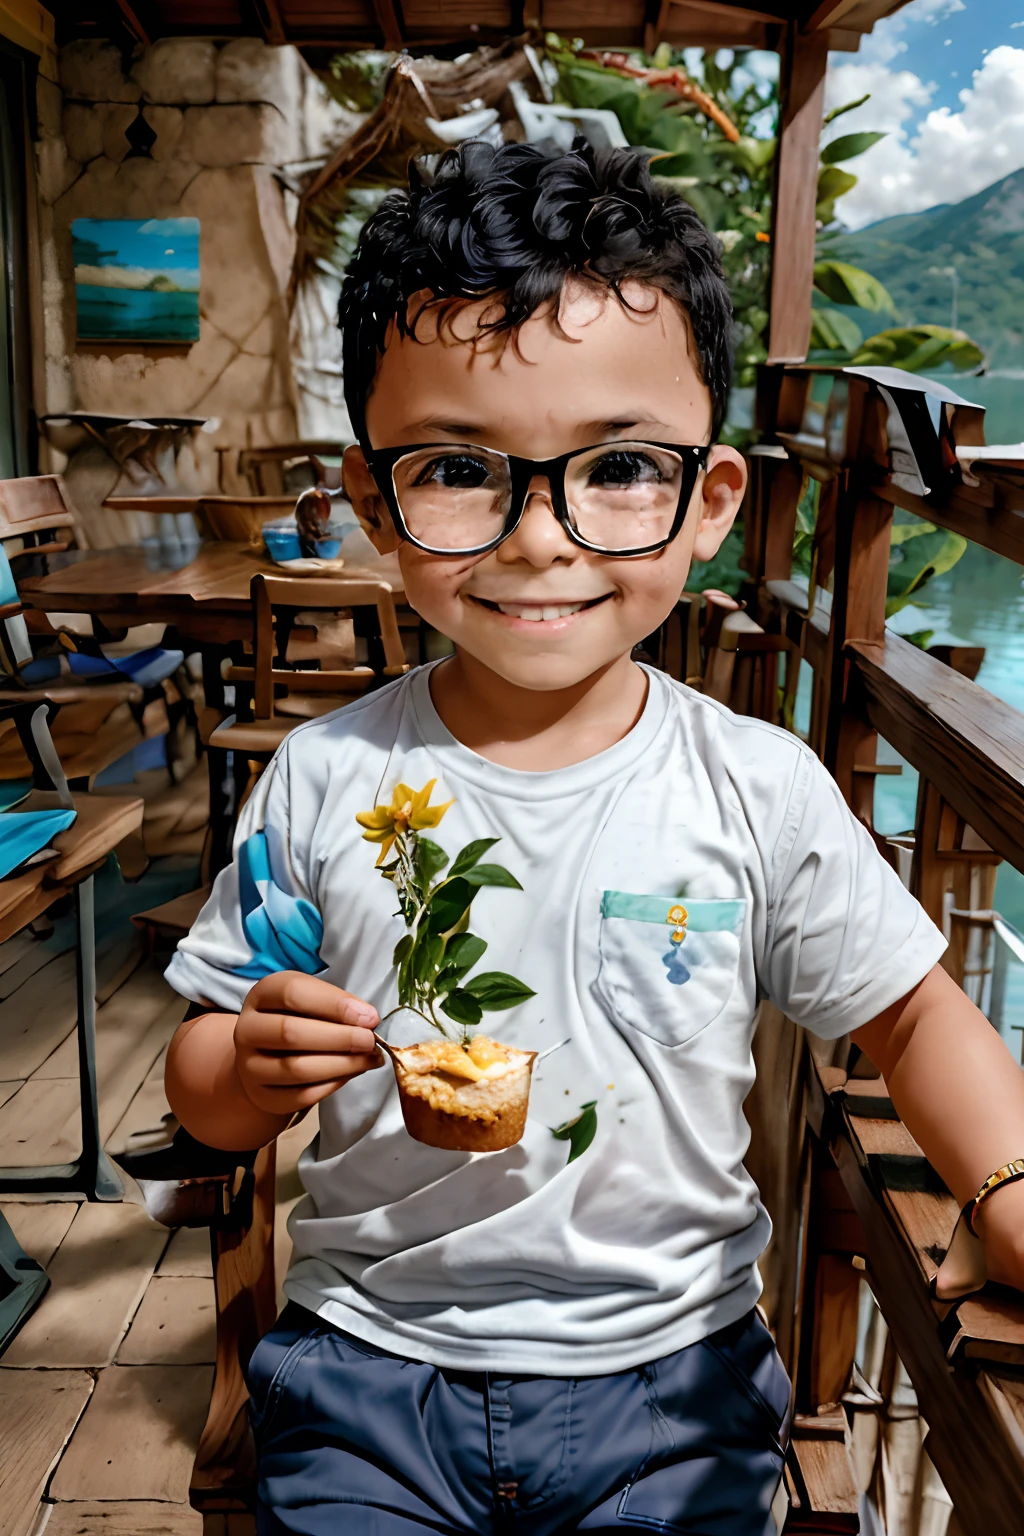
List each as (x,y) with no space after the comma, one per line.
(620,496)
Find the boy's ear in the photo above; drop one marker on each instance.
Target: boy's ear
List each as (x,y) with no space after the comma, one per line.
(368,504)
(721,495)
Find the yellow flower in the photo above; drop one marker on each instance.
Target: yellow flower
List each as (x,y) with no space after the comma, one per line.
(410,811)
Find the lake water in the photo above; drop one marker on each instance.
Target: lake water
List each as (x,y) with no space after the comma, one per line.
(135,314)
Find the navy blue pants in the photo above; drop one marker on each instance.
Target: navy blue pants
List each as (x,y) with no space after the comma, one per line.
(354,1441)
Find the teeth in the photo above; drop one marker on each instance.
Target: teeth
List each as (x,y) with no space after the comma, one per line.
(537,613)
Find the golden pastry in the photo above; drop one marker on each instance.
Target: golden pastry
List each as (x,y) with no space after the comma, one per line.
(463,1098)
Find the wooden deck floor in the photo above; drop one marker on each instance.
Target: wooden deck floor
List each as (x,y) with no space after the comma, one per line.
(104,1391)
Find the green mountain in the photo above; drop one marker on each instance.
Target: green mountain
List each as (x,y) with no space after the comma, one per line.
(982,237)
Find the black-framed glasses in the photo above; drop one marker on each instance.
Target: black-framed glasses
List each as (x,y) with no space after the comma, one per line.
(619,498)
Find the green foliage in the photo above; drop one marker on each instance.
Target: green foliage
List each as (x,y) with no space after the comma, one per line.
(832,183)
(806,522)
(833,331)
(433,959)
(723,571)
(918,552)
(356,80)
(496,990)
(491,874)
(849,106)
(849,146)
(430,859)
(844,284)
(580,1131)
(920,347)
(472,853)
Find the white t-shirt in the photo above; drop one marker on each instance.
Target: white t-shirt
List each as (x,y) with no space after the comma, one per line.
(524,1261)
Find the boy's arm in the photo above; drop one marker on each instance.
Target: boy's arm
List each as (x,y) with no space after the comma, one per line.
(961,1096)
(235,1081)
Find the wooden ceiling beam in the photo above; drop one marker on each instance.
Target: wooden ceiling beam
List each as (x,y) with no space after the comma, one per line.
(271,23)
(828,14)
(727,13)
(654,30)
(132,22)
(390,24)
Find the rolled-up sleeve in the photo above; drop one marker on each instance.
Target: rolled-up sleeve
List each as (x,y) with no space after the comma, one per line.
(260,917)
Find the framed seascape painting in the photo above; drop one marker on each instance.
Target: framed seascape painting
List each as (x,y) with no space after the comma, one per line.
(137,279)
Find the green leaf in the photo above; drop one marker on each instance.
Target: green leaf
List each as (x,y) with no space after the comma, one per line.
(850,106)
(901,532)
(849,146)
(918,558)
(429,860)
(402,949)
(833,331)
(579,1133)
(916,347)
(427,956)
(472,854)
(492,874)
(461,954)
(463,1008)
(832,183)
(844,284)
(406,985)
(752,155)
(449,904)
(495,991)
(922,638)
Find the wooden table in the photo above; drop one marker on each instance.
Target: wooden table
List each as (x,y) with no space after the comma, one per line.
(206,600)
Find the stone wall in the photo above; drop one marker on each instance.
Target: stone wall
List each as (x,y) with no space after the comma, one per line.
(226,117)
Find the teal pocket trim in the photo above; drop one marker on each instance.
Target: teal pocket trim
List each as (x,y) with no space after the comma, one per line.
(702,916)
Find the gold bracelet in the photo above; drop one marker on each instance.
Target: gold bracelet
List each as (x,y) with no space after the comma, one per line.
(1005,1175)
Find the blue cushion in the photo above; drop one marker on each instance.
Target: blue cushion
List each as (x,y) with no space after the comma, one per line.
(43,670)
(81,665)
(149,667)
(23,833)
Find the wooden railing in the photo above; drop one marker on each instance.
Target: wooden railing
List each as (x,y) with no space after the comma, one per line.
(874,444)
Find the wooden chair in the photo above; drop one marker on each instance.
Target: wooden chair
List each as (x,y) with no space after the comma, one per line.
(35,516)
(104,704)
(100,824)
(276,600)
(284,467)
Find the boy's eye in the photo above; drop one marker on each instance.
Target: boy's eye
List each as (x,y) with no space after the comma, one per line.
(454,471)
(624,467)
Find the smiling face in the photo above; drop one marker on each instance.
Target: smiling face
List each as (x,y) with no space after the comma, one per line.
(539,611)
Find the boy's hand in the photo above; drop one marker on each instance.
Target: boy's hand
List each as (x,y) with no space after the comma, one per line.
(299,1039)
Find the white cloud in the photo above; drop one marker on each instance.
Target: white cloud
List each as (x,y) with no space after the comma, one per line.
(951,154)
(887,39)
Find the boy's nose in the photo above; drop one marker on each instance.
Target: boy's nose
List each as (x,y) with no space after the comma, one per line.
(540,538)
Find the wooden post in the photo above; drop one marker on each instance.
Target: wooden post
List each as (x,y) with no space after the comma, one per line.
(796,188)
(863,527)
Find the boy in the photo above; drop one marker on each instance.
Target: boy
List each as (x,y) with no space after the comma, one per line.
(536,365)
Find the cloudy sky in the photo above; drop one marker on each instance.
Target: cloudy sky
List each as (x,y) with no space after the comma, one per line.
(946,79)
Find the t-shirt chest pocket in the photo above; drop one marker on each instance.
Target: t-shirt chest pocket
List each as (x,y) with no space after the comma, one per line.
(667,965)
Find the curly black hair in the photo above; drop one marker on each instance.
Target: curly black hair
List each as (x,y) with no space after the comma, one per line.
(515,222)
